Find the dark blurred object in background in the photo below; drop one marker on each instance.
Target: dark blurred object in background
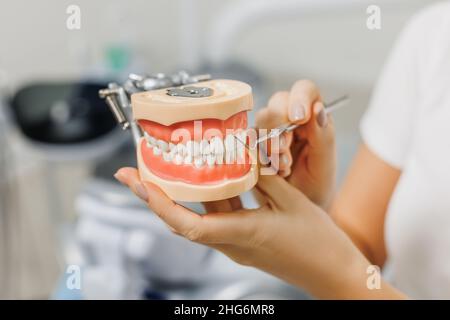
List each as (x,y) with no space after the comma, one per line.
(61,112)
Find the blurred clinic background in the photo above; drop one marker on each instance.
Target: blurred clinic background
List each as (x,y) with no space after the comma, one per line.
(60,209)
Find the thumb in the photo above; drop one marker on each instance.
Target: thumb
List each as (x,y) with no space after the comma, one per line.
(279,192)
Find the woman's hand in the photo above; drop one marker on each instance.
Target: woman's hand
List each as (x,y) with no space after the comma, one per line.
(289,236)
(307,155)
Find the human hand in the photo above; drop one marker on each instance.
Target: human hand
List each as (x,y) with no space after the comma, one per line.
(289,236)
(307,154)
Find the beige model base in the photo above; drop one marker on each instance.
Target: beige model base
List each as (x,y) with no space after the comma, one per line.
(229,98)
(180,191)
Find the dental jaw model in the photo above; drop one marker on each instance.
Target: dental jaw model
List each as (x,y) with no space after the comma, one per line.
(192,143)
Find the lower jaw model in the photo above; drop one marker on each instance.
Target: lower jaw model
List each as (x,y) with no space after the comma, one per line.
(193,142)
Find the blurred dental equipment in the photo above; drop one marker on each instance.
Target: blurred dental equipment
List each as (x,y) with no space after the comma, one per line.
(63,123)
(47,128)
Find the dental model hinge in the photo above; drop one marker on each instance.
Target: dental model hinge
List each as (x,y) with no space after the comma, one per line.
(190,92)
(161,81)
(118,97)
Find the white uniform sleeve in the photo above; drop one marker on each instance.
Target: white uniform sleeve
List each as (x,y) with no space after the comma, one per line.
(387,125)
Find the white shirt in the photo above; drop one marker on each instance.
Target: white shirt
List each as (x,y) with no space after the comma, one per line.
(408,126)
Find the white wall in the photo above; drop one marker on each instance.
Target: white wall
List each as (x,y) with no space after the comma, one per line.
(35,42)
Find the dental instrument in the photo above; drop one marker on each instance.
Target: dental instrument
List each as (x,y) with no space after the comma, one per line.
(287,127)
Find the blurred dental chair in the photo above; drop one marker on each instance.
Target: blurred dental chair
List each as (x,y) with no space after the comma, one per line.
(49,130)
(63,123)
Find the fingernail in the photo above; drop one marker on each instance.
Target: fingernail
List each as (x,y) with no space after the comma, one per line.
(321,116)
(141,191)
(263,156)
(297,112)
(119,177)
(284,159)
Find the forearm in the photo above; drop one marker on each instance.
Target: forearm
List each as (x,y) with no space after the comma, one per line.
(360,206)
(358,239)
(331,268)
(351,280)
(350,276)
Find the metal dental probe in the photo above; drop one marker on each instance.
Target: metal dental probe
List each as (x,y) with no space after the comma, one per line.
(118,99)
(287,127)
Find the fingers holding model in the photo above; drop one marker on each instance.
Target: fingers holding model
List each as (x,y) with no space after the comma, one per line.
(290,237)
(307,155)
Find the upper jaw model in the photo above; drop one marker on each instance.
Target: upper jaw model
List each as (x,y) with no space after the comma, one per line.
(190,147)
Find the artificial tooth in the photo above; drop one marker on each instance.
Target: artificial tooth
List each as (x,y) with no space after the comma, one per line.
(178,159)
(181,149)
(172,146)
(230,149)
(189,146)
(156,151)
(210,159)
(240,147)
(198,162)
(167,157)
(152,141)
(216,146)
(196,149)
(164,146)
(193,148)
(173,152)
(187,160)
(219,158)
(204,147)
